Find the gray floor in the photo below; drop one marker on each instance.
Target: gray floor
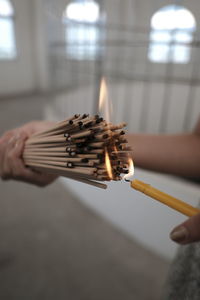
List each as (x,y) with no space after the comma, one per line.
(52,247)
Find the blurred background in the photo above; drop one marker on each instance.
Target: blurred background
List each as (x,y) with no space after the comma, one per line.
(70,240)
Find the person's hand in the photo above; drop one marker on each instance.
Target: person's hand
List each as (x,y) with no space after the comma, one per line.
(11,150)
(187,232)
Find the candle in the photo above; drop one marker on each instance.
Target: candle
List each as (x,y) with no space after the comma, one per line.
(164,198)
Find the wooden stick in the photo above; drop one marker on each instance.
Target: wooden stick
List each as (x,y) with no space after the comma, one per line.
(53,163)
(87,155)
(83,133)
(65,127)
(62,130)
(44,154)
(53,159)
(45,140)
(56,149)
(51,140)
(49,145)
(45,157)
(88,181)
(97,145)
(115,127)
(56,126)
(60,138)
(97,151)
(79,171)
(59,154)
(103,135)
(90,163)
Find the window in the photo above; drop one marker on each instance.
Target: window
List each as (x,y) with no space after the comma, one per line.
(82,33)
(172,29)
(7,36)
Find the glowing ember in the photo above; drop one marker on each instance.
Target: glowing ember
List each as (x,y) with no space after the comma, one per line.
(131,170)
(105,109)
(105,106)
(108,165)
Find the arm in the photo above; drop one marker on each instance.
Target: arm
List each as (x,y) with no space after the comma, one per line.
(174,154)
(11,149)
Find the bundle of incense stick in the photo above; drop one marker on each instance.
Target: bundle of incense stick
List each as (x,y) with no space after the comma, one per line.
(84,148)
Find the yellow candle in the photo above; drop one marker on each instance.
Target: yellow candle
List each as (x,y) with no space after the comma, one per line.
(166,199)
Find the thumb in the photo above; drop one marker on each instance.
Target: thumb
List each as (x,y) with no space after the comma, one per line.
(187,232)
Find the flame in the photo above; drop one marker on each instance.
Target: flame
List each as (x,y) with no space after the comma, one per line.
(108,165)
(105,106)
(130,168)
(105,109)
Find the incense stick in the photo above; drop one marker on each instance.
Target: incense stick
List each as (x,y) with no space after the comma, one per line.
(75,148)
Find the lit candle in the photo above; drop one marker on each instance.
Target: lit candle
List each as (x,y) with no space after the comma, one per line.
(164,198)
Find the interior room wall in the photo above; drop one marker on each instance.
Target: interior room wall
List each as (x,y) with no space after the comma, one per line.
(41,71)
(17,75)
(127,34)
(29,71)
(38,25)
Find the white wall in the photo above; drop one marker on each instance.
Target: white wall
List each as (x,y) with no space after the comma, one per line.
(38,23)
(18,76)
(127,102)
(28,72)
(40,45)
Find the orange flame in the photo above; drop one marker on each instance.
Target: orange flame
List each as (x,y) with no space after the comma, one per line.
(105,106)
(131,169)
(108,165)
(105,109)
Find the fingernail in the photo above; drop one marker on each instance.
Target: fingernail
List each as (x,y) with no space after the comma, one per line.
(179,234)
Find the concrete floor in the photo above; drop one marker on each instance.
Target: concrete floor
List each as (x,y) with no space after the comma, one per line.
(52,247)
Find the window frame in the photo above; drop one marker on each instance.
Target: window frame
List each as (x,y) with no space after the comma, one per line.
(11,19)
(172,42)
(88,54)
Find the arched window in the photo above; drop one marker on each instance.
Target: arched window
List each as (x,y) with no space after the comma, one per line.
(172,30)
(82,33)
(7,35)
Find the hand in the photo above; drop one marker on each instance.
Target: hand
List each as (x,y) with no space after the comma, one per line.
(187,232)
(11,150)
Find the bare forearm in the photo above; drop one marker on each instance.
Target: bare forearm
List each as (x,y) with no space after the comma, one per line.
(174,154)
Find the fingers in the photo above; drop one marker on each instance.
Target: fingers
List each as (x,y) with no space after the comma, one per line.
(31,176)
(11,163)
(3,144)
(187,232)
(39,179)
(11,151)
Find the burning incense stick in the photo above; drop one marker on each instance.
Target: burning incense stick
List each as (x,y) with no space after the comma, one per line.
(81,148)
